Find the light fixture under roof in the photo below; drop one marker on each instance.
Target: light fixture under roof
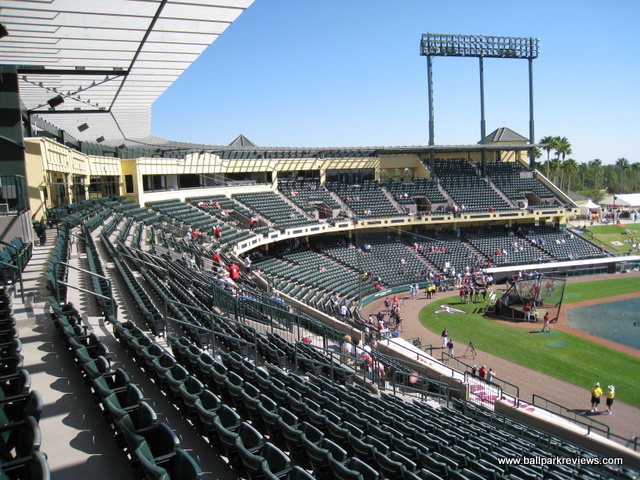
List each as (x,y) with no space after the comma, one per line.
(83,127)
(100,139)
(55,101)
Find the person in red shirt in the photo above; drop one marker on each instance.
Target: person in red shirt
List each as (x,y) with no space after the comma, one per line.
(234,271)
(216,258)
(482,373)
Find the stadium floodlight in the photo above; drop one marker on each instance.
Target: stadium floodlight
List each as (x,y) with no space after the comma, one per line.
(480,46)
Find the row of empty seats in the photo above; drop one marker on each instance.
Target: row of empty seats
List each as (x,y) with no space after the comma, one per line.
(20,407)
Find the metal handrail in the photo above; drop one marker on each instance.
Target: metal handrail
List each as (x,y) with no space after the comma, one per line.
(113,310)
(589,423)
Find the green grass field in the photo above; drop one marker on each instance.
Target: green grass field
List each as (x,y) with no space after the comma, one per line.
(606,234)
(580,362)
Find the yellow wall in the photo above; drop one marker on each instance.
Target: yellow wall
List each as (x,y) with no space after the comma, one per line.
(35,174)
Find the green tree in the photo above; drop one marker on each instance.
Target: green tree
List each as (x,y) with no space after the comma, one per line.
(595,194)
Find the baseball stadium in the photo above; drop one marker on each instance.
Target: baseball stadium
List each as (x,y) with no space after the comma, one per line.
(173,310)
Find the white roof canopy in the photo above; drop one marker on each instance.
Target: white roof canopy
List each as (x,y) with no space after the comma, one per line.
(109,60)
(590,204)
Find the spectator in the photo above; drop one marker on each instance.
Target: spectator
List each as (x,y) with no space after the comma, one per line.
(482,373)
(234,271)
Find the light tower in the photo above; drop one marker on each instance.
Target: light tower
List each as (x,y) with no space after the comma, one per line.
(437,45)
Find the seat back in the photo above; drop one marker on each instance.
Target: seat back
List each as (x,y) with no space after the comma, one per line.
(184,467)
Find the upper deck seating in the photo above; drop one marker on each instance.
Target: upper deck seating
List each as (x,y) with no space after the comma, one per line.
(367,200)
(460,180)
(274,208)
(515,181)
(308,195)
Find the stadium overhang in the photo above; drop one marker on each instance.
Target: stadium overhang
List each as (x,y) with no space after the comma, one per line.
(101,65)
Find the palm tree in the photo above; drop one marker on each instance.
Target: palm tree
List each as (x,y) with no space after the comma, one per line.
(623,166)
(635,168)
(549,144)
(569,167)
(596,165)
(563,148)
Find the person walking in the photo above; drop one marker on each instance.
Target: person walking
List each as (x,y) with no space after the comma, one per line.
(596,393)
(445,338)
(610,396)
(450,346)
(545,325)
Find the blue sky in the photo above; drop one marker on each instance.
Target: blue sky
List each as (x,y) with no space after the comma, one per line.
(348,73)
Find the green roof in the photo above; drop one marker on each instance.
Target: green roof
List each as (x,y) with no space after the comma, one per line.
(505,134)
(242,141)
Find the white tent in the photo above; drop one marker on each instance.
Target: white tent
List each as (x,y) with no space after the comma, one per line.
(589,208)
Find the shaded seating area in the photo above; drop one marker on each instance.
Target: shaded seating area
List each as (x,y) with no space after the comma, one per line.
(416,191)
(14,256)
(448,253)
(562,244)
(367,200)
(272,207)
(519,184)
(310,196)
(505,249)
(462,182)
(394,262)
